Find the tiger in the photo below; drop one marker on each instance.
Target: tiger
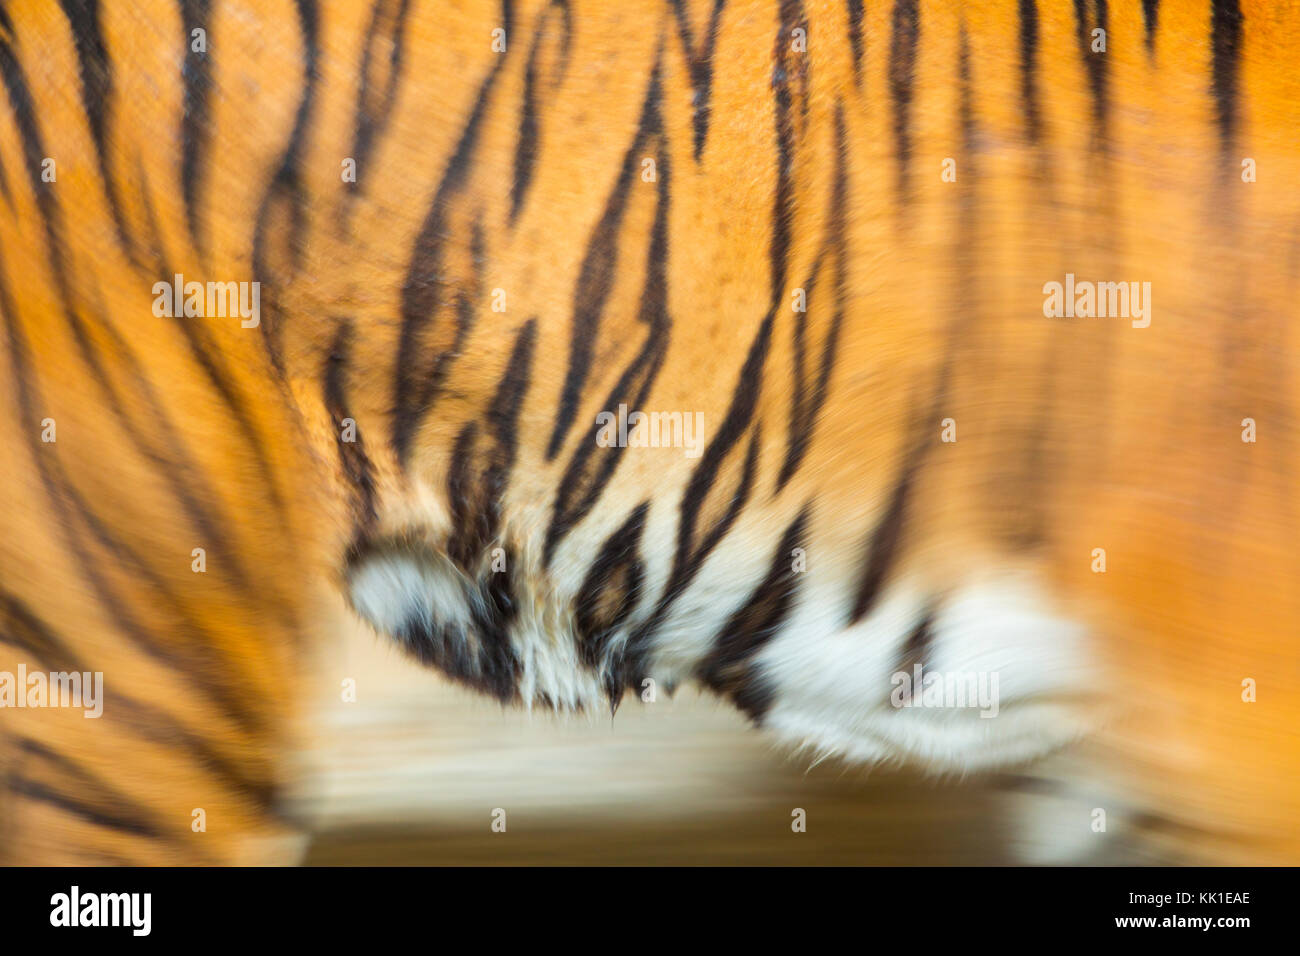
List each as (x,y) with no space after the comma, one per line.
(790,349)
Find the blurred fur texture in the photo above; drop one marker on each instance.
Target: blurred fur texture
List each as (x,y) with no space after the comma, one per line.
(775,169)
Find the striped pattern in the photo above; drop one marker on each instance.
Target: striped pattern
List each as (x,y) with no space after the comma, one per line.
(686,207)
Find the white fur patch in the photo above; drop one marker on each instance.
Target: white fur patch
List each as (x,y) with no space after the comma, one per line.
(392,589)
(834,689)
(403,592)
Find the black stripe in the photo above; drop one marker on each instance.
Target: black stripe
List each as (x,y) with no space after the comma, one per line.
(883,544)
(188,481)
(805,405)
(592,465)
(530,115)
(1029,70)
(111,819)
(286,200)
(34,153)
(1090,15)
(967,244)
(690,555)
(196,124)
(790,95)
(194,657)
(917,647)
(493,613)
(358,470)
(464,495)
(169,455)
(1016,504)
(503,412)
(7,38)
(729,668)
(692,550)
(95,801)
(479,471)
(904,39)
(20,627)
(609,593)
(181,480)
(1225,48)
(464,314)
(965,104)
(374,109)
(480,656)
(789,81)
(415,384)
(1151,17)
(211,359)
(599,266)
(4,186)
(856,11)
(96,74)
(1025,493)
(7,27)
(699,62)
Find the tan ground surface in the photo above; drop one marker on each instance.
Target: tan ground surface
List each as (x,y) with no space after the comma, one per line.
(411,772)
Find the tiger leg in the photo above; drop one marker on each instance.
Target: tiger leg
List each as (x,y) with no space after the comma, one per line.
(146,770)
(151,591)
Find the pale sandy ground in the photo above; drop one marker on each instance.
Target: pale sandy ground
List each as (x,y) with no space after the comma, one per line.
(411,772)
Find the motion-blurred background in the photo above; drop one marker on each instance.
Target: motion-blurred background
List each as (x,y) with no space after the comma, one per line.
(411,772)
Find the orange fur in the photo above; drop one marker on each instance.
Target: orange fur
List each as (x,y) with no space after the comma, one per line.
(1074,434)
